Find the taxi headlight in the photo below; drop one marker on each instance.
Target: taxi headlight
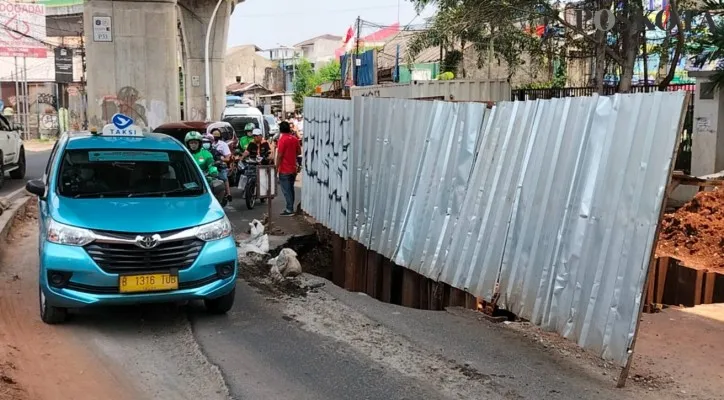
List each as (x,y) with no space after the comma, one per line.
(216,230)
(68,235)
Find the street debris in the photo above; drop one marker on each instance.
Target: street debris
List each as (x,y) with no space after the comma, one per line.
(285,265)
(257,243)
(694,234)
(4,204)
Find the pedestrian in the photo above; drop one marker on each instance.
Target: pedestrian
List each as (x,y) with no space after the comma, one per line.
(286,162)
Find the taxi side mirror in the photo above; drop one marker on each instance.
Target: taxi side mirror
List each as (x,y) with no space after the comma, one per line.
(36,187)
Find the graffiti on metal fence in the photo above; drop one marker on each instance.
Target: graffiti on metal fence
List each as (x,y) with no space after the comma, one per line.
(325,156)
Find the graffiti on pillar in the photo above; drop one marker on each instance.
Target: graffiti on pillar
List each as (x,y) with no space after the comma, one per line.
(43,122)
(197,114)
(127,102)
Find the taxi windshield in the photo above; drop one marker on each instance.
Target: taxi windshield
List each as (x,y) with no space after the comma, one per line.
(128,173)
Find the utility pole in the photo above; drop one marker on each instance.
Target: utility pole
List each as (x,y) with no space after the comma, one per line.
(356,52)
(16,116)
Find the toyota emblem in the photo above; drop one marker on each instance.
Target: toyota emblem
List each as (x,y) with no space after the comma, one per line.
(148,242)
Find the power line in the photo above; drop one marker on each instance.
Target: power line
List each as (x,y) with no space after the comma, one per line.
(337,11)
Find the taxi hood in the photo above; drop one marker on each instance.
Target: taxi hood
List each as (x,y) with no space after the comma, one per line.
(136,215)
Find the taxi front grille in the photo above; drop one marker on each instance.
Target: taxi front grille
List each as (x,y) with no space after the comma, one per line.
(124,258)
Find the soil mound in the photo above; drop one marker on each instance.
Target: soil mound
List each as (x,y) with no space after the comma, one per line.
(694,234)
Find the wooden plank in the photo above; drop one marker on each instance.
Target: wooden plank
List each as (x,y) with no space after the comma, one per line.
(709,282)
(361,271)
(386,290)
(338,260)
(350,266)
(662,268)
(471,302)
(436,296)
(719,288)
(410,288)
(424,293)
(649,306)
(457,297)
(374,274)
(698,287)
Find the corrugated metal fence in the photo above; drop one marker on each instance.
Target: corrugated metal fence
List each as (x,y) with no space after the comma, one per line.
(555,200)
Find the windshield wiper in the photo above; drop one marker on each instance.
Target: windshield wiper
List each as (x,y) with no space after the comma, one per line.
(166,192)
(101,194)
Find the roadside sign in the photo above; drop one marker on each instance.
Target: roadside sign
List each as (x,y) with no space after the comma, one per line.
(22,30)
(63,65)
(102,29)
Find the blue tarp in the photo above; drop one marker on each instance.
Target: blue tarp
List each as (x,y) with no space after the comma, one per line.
(366,72)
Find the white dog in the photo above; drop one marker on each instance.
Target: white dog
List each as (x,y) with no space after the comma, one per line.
(285,265)
(258,242)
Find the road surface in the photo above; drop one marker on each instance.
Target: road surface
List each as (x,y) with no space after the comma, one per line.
(36,166)
(326,345)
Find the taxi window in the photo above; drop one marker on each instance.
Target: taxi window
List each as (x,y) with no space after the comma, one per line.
(128,173)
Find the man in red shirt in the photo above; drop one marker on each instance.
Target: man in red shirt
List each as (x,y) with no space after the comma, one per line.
(288,149)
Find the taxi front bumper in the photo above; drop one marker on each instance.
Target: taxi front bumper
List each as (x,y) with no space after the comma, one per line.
(89,285)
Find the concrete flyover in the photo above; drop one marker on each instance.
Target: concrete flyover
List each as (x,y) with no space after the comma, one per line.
(135,70)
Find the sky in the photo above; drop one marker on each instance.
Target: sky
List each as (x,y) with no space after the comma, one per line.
(271,23)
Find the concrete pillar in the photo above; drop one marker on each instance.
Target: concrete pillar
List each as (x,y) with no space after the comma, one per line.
(137,72)
(195,16)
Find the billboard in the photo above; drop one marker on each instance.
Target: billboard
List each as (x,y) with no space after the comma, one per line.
(22,30)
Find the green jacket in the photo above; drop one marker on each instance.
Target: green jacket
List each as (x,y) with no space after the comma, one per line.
(244,141)
(205,160)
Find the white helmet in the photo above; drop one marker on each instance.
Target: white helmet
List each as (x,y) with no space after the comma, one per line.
(256,132)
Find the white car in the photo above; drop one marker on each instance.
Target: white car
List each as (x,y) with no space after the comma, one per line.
(12,152)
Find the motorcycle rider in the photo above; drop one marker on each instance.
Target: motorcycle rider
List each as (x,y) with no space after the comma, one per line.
(221,148)
(258,148)
(203,157)
(247,138)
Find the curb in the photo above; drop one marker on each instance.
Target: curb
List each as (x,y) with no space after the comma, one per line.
(8,217)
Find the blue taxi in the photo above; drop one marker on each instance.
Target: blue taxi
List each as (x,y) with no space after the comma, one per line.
(127,217)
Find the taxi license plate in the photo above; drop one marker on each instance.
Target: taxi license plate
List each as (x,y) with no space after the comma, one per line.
(147,283)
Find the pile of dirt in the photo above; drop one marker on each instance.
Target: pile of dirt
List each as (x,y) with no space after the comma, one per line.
(694,234)
(315,257)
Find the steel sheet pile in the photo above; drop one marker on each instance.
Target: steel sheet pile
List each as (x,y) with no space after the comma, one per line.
(325,174)
(555,200)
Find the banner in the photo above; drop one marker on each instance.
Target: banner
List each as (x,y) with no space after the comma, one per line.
(22,30)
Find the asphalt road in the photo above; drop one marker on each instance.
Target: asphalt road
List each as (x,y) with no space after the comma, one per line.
(36,166)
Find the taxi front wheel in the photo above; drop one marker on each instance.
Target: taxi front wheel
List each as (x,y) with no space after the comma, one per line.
(220,305)
(49,314)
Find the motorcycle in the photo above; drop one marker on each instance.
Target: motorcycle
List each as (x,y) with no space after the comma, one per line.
(248,168)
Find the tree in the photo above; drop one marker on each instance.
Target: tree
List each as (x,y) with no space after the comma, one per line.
(306,79)
(708,45)
(330,72)
(304,82)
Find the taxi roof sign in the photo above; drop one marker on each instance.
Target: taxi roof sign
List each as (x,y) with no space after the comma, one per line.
(129,131)
(122,125)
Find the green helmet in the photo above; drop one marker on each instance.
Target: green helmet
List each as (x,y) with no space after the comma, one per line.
(249,127)
(193,135)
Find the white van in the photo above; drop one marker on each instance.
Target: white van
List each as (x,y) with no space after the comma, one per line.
(238,115)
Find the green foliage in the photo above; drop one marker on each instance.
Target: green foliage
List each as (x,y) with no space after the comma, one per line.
(306,79)
(452,60)
(304,82)
(329,72)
